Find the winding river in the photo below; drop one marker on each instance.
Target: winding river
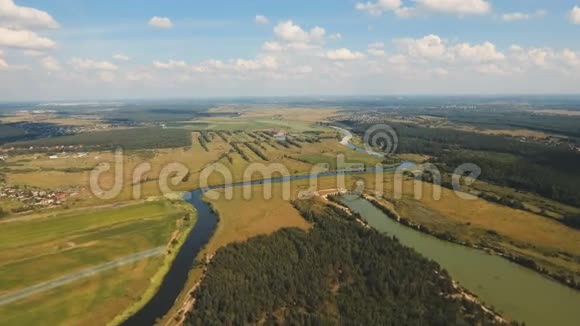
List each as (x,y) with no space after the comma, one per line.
(515,291)
(518,292)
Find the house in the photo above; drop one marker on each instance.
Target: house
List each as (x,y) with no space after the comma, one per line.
(3,157)
(52,157)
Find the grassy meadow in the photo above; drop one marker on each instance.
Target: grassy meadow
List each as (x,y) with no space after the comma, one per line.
(46,246)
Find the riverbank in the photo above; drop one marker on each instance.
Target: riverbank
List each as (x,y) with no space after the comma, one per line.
(513,291)
(185,300)
(173,247)
(462,292)
(522,261)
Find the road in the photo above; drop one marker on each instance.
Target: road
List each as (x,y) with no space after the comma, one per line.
(69,278)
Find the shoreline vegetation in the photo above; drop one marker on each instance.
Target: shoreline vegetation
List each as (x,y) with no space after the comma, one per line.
(333,200)
(341,300)
(173,247)
(522,261)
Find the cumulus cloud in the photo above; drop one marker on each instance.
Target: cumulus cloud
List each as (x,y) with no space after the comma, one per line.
(289,32)
(261,19)
(24,39)
(272,47)
(458,7)
(120,57)
(376,49)
(575,15)
(50,64)
(171,64)
(433,47)
(344,54)
(429,47)
(14,16)
(485,52)
(379,7)
(90,64)
(160,22)
(461,7)
(519,16)
(335,37)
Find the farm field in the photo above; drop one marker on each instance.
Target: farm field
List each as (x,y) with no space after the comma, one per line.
(47,246)
(242,219)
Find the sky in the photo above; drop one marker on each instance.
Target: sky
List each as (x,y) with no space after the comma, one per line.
(85,49)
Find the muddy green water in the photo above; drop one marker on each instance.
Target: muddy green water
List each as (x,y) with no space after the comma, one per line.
(516,292)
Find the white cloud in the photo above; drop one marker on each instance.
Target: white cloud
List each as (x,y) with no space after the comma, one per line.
(171,64)
(14,16)
(33,53)
(50,64)
(376,52)
(519,16)
(379,7)
(139,76)
(570,57)
(460,7)
(120,57)
(430,47)
(90,64)
(261,19)
(376,49)
(265,63)
(335,37)
(477,53)
(575,15)
(160,22)
(107,76)
(291,33)
(490,69)
(272,47)
(539,57)
(24,39)
(344,54)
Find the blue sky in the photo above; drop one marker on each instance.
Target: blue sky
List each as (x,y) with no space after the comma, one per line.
(65,49)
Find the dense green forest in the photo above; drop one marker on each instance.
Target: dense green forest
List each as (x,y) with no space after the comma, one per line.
(337,273)
(547,170)
(137,138)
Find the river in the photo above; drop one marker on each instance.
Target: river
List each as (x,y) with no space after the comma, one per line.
(515,291)
(518,292)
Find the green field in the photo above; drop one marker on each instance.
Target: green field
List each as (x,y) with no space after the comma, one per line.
(40,248)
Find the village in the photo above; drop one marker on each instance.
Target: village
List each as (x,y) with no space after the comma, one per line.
(34,198)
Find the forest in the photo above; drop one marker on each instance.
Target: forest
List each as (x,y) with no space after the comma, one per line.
(137,138)
(550,171)
(338,273)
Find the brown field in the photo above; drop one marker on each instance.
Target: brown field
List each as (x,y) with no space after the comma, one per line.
(242,219)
